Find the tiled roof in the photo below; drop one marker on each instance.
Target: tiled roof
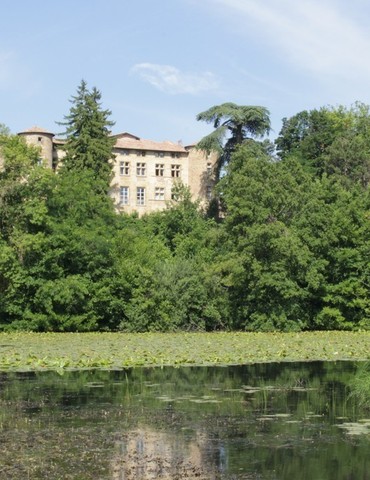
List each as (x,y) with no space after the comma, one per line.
(59,141)
(37,129)
(125,135)
(124,140)
(191,145)
(141,144)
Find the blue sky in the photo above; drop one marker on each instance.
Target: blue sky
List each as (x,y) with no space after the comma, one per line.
(159,63)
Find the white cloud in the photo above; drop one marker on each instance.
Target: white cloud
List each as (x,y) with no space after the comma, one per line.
(320,36)
(171,80)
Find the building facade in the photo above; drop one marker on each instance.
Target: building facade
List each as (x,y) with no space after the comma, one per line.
(144,171)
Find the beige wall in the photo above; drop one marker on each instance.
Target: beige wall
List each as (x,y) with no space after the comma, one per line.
(44,141)
(146,454)
(195,170)
(201,173)
(157,187)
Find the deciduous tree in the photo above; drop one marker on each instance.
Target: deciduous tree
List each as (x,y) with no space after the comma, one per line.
(332,141)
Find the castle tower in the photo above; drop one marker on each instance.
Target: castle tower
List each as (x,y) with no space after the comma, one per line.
(43,139)
(144,171)
(202,170)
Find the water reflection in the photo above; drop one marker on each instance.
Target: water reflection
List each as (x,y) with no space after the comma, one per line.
(151,454)
(267,421)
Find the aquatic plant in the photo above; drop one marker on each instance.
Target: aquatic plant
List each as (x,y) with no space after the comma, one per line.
(360,386)
(117,351)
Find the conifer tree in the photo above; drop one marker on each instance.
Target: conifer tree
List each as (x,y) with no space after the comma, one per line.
(233,125)
(88,146)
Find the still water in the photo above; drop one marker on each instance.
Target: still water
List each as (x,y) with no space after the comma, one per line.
(278,421)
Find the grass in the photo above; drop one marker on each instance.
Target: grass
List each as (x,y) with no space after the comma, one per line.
(360,386)
(68,351)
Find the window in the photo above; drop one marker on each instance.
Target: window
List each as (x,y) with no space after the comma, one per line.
(209,168)
(208,192)
(175,155)
(140,196)
(39,139)
(159,193)
(123,195)
(124,168)
(175,171)
(140,169)
(125,152)
(159,154)
(159,169)
(141,153)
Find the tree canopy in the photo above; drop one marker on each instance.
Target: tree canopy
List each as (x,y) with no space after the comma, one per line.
(289,253)
(88,145)
(332,141)
(233,124)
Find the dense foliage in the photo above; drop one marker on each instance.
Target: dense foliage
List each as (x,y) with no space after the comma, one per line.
(29,351)
(290,253)
(233,124)
(88,146)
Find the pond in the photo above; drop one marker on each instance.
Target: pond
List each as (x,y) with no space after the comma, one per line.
(276,421)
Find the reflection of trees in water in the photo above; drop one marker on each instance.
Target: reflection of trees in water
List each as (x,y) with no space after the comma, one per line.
(184,423)
(360,385)
(147,454)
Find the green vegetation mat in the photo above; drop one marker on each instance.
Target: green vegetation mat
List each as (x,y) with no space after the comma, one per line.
(68,351)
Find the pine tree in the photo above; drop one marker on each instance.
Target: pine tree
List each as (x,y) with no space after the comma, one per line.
(233,125)
(89,146)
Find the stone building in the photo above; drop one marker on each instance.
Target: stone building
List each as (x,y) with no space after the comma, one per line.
(144,171)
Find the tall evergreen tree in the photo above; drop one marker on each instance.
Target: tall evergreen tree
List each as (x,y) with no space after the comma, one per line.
(233,124)
(89,146)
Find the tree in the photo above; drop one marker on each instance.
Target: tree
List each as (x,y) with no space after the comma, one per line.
(56,235)
(88,145)
(332,141)
(348,159)
(4,130)
(237,121)
(300,244)
(181,225)
(269,266)
(23,186)
(24,222)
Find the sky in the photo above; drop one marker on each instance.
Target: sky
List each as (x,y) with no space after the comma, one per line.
(158,63)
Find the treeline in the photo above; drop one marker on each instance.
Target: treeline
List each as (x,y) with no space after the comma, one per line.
(284,245)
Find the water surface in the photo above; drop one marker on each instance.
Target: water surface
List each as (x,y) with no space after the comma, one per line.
(276,421)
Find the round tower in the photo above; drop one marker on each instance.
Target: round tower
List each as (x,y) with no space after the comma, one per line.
(43,139)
